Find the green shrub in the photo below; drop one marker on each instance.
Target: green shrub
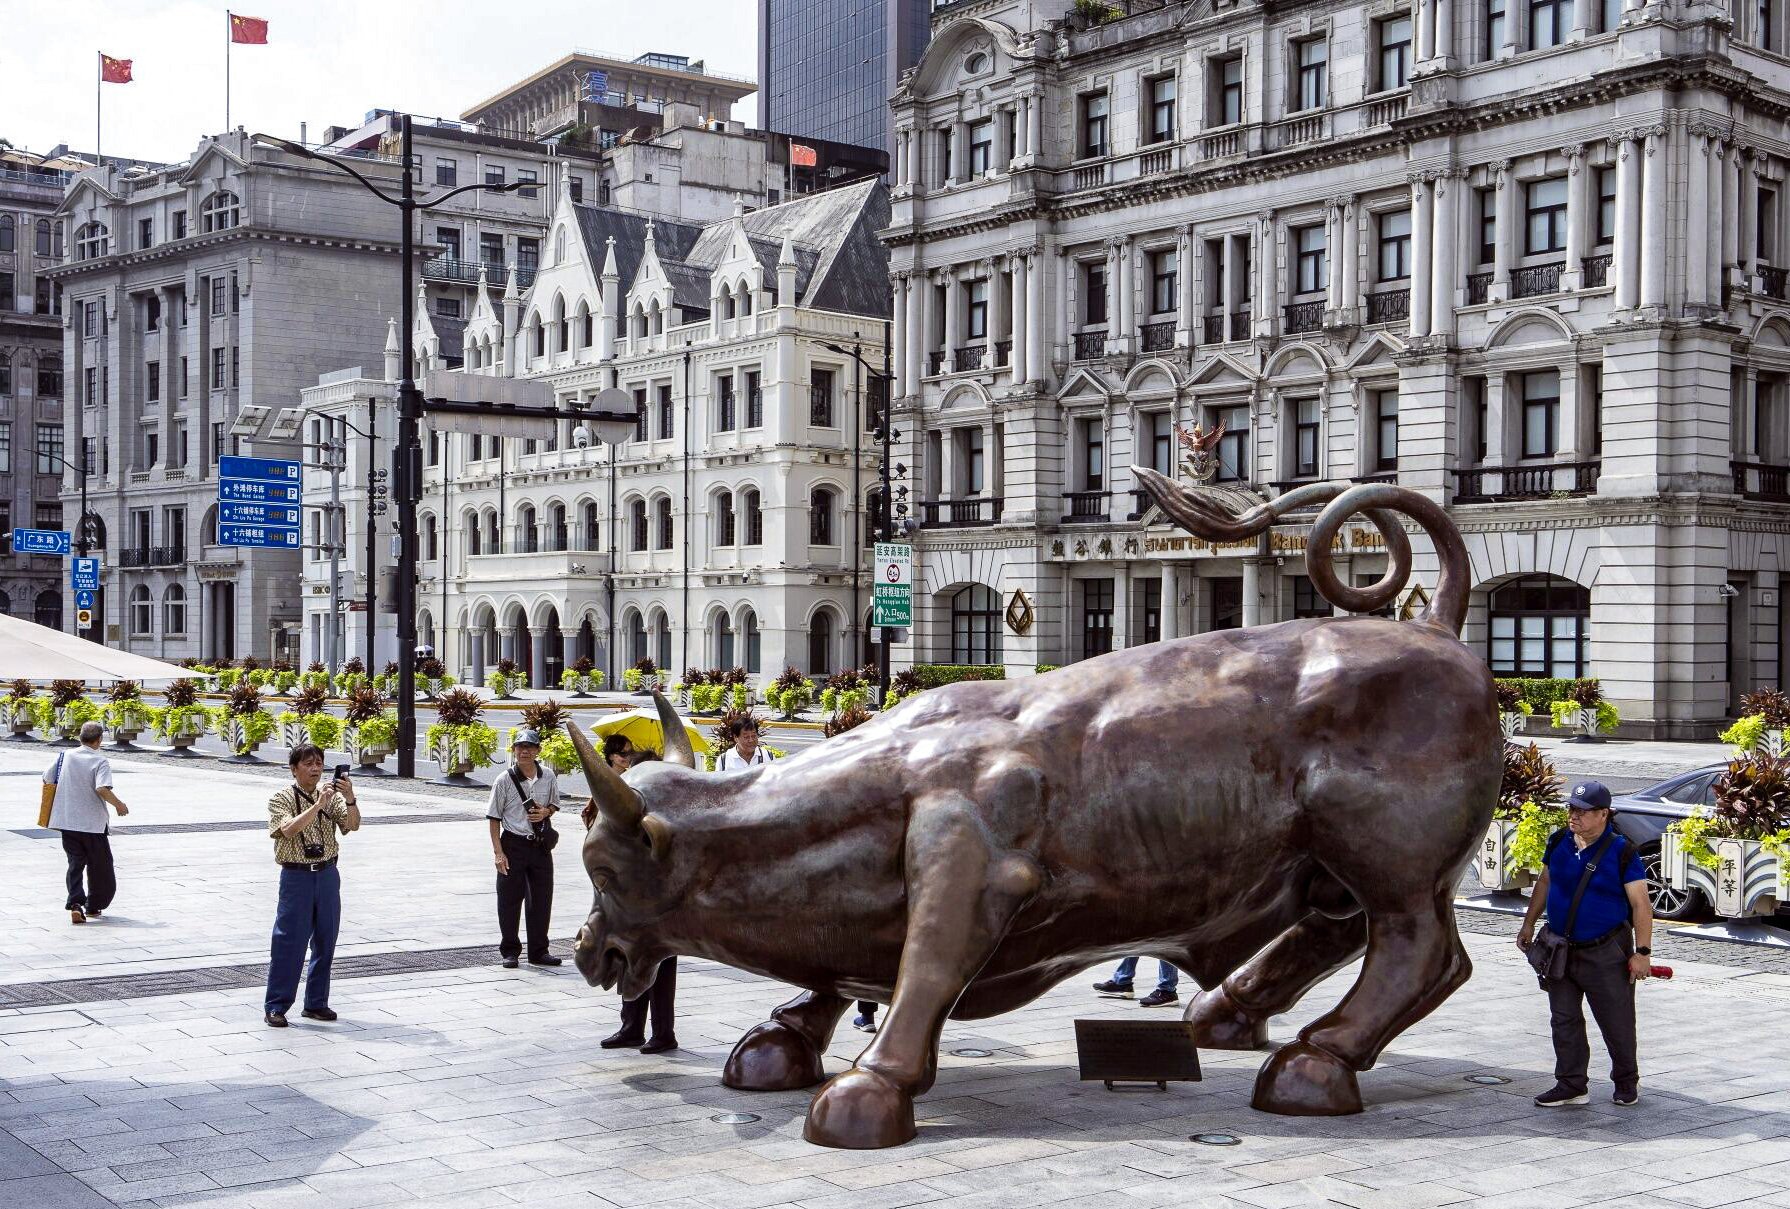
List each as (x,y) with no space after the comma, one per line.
(935,675)
(1539,694)
(325,730)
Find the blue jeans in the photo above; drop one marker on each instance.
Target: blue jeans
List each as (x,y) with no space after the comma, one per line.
(309,916)
(1167,976)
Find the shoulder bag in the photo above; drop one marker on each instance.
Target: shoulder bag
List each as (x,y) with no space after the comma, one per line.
(1547,952)
(47,801)
(543,830)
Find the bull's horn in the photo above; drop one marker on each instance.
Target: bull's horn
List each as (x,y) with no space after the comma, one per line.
(677,740)
(616,799)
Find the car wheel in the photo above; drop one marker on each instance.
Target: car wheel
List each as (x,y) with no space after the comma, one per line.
(1669,902)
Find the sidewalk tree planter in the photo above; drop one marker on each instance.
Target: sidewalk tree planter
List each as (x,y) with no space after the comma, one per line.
(182,719)
(643,678)
(789,694)
(65,710)
(459,742)
(369,732)
(243,725)
(432,678)
(1735,852)
(21,711)
(1528,812)
(295,723)
(1513,711)
(548,719)
(505,679)
(581,679)
(1586,711)
(126,714)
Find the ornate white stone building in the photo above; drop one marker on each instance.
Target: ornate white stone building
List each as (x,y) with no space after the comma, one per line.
(1523,256)
(735,517)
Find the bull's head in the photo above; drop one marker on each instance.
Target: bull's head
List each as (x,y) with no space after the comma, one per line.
(628,854)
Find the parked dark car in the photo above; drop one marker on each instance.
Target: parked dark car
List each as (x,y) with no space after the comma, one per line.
(1643,816)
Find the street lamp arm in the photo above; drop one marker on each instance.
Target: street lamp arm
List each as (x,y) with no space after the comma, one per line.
(869,369)
(481,186)
(292,148)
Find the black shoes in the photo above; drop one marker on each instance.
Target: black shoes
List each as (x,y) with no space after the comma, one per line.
(1558,1096)
(1626,1097)
(659,1046)
(509,963)
(1114,990)
(94,913)
(864,1024)
(275,1019)
(1158,998)
(318,1014)
(546,961)
(623,1040)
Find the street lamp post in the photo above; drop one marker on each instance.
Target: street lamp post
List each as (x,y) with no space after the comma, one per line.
(81,543)
(407,458)
(886,435)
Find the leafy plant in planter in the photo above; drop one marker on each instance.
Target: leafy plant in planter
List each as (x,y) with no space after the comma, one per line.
(790,693)
(854,715)
(1736,852)
(125,712)
(315,676)
(458,740)
(66,708)
(643,677)
(21,714)
(354,676)
(242,723)
(1585,709)
(1528,777)
(582,678)
(1529,810)
(1764,715)
(505,679)
(295,723)
(548,719)
(182,719)
(1512,709)
(903,685)
(369,732)
(386,681)
(432,677)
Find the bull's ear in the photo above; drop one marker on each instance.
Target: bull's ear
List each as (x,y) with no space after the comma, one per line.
(657,833)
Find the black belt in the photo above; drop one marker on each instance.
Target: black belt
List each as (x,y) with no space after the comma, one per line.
(311,867)
(1592,944)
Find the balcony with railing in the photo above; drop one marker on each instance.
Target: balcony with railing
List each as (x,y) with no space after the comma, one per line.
(1157,337)
(960,514)
(1595,271)
(1479,288)
(1085,507)
(1762,481)
(167,556)
(1221,144)
(1212,329)
(935,362)
(1389,306)
(969,357)
(1304,317)
(1141,502)
(1239,325)
(1538,481)
(1773,281)
(1535,280)
(1387,109)
(134,556)
(465,272)
(1003,353)
(1090,346)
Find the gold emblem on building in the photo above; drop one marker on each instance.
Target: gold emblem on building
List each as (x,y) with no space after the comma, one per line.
(1019,612)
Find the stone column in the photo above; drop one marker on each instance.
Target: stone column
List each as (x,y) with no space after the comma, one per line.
(170,386)
(1445,32)
(1267,275)
(1348,266)
(948,464)
(898,336)
(1576,216)
(1425,30)
(1005,134)
(1718,212)
(1730,170)
(953,316)
(1582,13)
(993,473)
(1653,219)
(1022,346)
(991,313)
(1749,214)
(1333,243)
(1494,419)
(1127,296)
(1121,606)
(476,655)
(1422,229)
(1252,592)
(1228,293)
(1696,245)
(1506,243)
(1569,445)
(1113,328)
(960,151)
(1171,601)
(918,339)
(537,651)
(1187,297)
(1625,262)
(1035,126)
(1037,339)
(1443,271)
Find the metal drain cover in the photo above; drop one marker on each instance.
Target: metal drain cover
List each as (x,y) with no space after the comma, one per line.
(1487,1080)
(1216,1139)
(972,1052)
(734,1118)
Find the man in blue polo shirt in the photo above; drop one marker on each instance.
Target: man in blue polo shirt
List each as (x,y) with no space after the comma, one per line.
(1608,945)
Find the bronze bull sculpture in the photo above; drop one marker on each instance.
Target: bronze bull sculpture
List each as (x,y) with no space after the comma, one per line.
(1256,806)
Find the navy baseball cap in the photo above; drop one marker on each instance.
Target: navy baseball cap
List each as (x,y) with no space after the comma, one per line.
(1589,795)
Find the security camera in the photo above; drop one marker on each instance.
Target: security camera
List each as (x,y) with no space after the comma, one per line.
(1727,591)
(581,437)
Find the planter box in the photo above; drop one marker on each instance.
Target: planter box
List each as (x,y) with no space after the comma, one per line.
(1490,865)
(1747,881)
(372,757)
(1512,724)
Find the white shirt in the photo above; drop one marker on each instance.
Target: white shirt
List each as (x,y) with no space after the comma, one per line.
(731,759)
(78,804)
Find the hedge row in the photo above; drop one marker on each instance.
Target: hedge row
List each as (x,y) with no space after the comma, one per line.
(1541,693)
(933,675)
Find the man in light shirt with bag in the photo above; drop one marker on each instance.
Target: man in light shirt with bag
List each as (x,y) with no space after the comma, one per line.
(77,790)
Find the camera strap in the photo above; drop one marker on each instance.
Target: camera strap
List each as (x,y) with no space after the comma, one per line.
(300,795)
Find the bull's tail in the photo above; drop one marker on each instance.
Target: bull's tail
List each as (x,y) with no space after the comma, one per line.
(1215,516)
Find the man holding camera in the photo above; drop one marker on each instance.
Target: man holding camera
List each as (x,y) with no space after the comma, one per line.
(523,803)
(305,822)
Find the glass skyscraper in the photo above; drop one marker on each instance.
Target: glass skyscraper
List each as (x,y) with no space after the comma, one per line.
(826,68)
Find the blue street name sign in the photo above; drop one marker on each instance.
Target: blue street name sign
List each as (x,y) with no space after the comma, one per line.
(83,574)
(273,536)
(83,599)
(264,469)
(40,541)
(231,512)
(256,491)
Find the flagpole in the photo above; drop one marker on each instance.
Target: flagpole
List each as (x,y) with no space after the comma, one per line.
(99,76)
(228,19)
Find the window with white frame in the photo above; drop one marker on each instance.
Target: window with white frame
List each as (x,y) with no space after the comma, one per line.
(142,612)
(1385,403)
(1395,245)
(1095,121)
(1392,46)
(1307,425)
(1496,18)
(1541,413)
(1544,205)
(1161,125)
(1226,75)
(1311,274)
(1311,63)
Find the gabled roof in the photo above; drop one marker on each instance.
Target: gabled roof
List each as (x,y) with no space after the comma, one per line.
(597,224)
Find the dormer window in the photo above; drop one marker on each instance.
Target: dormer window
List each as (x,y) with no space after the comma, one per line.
(220,212)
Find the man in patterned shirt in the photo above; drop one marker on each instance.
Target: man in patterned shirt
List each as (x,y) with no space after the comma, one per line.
(305,822)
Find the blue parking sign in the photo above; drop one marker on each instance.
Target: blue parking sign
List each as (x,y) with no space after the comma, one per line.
(83,574)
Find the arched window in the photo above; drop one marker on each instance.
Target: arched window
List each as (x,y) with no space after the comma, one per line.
(723,641)
(662,639)
(636,637)
(662,523)
(724,519)
(493,533)
(559,245)
(1540,625)
(173,610)
(820,516)
(9,240)
(729,309)
(593,535)
(431,540)
(820,644)
(5,374)
(749,630)
(754,518)
(528,536)
(655,319)
(637,525)
(540,337)
(475,537)
(745,298)
(976,625)
(142,614)
(586,327)
(559,536)
(46,242)
(47,610)
(220,212)
(91,242)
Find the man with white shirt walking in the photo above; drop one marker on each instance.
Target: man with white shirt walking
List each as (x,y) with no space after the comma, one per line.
(83,780)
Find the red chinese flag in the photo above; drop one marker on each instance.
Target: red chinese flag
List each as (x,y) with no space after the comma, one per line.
(248,31)
(802,157)
(114,71)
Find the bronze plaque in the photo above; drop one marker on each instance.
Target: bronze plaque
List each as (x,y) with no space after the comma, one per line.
(1137,1051)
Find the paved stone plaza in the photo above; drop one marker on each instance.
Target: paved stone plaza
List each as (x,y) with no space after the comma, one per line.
(138,1069)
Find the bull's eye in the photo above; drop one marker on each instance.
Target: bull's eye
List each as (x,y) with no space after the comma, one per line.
(602,876)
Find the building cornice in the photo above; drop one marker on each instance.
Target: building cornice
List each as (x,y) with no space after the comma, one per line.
(195,245)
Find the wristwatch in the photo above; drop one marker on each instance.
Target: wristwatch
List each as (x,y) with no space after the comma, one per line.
(1644,951)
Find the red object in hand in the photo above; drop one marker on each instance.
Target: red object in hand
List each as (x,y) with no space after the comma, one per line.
(1660,972)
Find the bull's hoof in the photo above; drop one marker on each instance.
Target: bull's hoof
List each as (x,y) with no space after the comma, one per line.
(773,1057)
(1304,1081)
(860,1110)
(1218,1023)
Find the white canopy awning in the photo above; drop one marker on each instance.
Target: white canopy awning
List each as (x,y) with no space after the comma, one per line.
(33,652)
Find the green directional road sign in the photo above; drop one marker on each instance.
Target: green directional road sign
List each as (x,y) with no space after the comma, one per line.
(893,596)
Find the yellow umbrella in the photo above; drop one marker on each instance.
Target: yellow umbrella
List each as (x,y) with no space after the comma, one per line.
(641,729)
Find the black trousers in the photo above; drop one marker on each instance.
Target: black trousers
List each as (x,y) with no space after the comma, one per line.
(529,883)
(1598,974)
(91,880)
(658,999)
